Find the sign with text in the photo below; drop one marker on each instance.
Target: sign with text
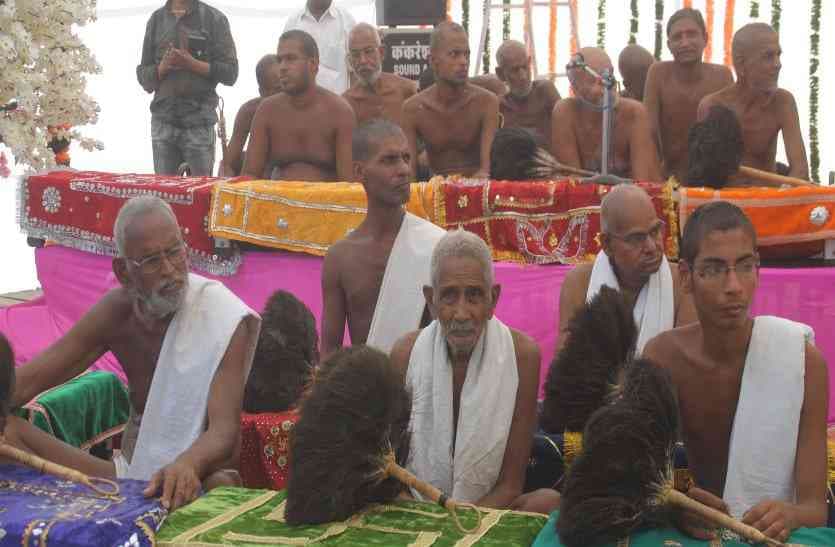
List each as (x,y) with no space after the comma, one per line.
(407,52)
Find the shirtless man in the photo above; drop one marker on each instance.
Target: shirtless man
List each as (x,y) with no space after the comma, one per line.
(763,109)
(306,129)
(576,126)
(527,104)
(674,88)
(633,63)
(375,94)
(632,240)
(266,73)
(456,119)
(752,392)
(471,455)
(356,267)
(132,322)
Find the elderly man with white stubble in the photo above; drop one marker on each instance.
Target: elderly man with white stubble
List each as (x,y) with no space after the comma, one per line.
(186,345)
(473,381)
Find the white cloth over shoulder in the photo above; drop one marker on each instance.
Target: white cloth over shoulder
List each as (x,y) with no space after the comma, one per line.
(400,304)
(763,447)
(194,345)
(488,400)
(655,308)
(331,35)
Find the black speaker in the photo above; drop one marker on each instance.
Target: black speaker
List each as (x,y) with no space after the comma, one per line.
(410,12)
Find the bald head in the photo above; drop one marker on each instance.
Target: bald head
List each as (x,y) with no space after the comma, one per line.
(634,62)
(509,51)
(586,86)
(750,38)
(363,32)
(443,31)
(623,203)
(597,59)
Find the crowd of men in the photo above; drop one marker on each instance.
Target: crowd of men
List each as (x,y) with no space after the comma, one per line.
(752,392)
(326,78)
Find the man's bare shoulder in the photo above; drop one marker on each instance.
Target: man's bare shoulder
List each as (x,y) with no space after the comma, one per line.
(482,96)
(785,99)
(714,69)
(333,102)
(667,348)
(406,85)
(527,350)
(567,107)
(414,103)
(112,310)
(545,88)
(249,107)
(401,351)
(661,69)
(631,108)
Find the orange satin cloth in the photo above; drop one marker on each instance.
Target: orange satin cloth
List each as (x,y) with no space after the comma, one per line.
(780,216)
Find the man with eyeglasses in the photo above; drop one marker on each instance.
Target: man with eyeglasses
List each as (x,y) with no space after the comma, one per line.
(752,392)
(185,344)
(632,261)
(374,94)
(577,124)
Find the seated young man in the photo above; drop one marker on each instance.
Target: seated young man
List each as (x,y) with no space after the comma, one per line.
(752,392)
(22,435)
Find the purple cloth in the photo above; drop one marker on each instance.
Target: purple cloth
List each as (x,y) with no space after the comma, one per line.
(43,510)
(73,281)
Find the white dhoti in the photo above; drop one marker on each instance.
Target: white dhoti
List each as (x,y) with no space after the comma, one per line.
(194,345)
(655,309)
(400,303)
(488,399)
(763,447)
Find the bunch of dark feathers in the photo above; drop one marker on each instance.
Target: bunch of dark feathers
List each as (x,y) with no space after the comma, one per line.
(585,372)
(355,412)
(285,356)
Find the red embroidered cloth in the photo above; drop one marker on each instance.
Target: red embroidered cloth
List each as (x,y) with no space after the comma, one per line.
(265,440)
(78,209)
(541,222)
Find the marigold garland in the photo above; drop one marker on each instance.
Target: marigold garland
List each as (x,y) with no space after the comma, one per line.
(729,31)
(552,39)
(449,10)
(633,22)
(601,24)
(506,20)
(659,26)
(814,89)
(755,9)
(688,3)
(709,12)
(486,55)
(776,13)
(465,15)
(575,20)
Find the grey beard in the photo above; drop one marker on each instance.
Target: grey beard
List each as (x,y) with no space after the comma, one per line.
(372,80)
(521,96)
(155,306)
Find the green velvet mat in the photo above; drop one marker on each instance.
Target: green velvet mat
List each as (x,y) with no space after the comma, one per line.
(82,412)
(241,517)
(803,537)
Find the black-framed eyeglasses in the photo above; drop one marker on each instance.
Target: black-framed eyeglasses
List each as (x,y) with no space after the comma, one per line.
(636,239)
(175,256)
(714,271)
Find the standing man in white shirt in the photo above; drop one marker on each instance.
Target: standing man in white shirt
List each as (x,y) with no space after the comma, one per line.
(329,25)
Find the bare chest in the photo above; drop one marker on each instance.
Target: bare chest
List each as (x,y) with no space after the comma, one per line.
(590,145)
(137,352)
(760,127)
(456,128)
(302,134)
(387,105)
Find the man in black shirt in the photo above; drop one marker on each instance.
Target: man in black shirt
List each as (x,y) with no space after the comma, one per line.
(188,49)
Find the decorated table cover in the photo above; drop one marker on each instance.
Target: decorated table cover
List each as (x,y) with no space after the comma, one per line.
(84,411)
(41,510)
(78,209)
(265,448)
(803,537)
(530,222)
(797,219)
(236,516)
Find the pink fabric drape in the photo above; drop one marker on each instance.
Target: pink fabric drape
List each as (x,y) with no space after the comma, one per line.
(73,281)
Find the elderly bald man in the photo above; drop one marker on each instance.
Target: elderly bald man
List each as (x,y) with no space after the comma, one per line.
(374,93)
(463,363)
(576,126)
(764,109)
(186,345)
(632,260)
(528,104)
(633,63)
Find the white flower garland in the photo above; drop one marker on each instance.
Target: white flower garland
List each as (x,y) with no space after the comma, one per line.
(44,66)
